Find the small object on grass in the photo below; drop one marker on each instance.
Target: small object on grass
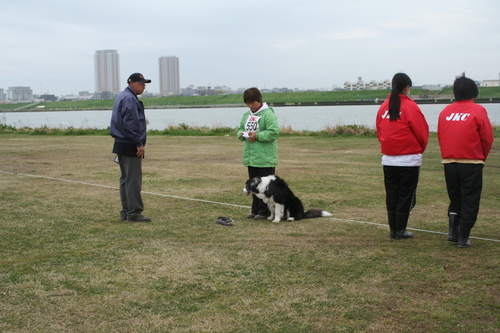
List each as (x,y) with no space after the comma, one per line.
(225,221)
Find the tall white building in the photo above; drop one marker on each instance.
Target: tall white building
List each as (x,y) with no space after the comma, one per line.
(107,71)
(20,94)
(169,76)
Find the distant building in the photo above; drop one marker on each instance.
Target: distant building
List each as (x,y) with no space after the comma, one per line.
(222,90)
(3,95)
(20,94)
(490,83)
(169,76)
(201,90)
(275,90)
(189,91)
(104,95)
(70,97)
(48,98)
(432,87)
(107,71)
(372,85)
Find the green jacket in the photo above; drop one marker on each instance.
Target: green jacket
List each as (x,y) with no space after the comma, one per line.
(262,153)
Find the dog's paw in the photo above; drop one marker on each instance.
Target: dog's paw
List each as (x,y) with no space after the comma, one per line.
(270,218)
(290,219)
(276,220)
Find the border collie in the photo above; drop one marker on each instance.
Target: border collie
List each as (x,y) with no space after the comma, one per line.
(280,200)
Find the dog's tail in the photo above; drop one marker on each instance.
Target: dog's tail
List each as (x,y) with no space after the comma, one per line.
(316,213)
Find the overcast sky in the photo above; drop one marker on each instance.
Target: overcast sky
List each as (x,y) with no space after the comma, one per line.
(49,45)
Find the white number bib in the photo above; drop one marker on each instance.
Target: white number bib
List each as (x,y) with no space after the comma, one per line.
(252,124)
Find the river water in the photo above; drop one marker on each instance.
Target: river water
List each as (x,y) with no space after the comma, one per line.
(299,118)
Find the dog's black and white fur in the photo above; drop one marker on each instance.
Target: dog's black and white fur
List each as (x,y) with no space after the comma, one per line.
(280,200)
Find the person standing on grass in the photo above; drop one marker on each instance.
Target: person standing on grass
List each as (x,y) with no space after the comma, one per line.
(465,137)
(128,128)
(403,134)
(259,130)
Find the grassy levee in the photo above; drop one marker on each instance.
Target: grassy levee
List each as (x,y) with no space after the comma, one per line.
(69,264)
(485,93)
(294,98)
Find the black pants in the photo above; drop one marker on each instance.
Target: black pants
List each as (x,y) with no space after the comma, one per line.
(400,188)
(258,206)
(464,183)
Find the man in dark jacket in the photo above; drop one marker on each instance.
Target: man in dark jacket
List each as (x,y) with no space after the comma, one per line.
(128,127)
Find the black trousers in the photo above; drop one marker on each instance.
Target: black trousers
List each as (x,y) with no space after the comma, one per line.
(400,188)
(258,206)
(464,183)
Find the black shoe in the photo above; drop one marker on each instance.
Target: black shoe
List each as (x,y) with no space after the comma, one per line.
(391,217)
(137,218)
(403,234)
(454,223)
(400,223)
(251,216)
(466,244)
(260,217)
(463,235)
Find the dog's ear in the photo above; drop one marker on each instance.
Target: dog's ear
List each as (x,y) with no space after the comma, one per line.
(256,181)
(252,184)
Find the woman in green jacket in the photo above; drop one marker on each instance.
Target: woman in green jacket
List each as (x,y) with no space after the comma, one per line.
(259,130)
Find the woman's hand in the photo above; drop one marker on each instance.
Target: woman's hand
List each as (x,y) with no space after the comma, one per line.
(252,136)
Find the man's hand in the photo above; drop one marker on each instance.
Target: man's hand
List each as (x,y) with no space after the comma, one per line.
(141,152)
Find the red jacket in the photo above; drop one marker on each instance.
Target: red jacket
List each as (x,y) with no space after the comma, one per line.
(407,135)
(464,131)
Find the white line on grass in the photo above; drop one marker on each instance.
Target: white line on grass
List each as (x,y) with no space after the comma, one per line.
(222,203)
(415,229)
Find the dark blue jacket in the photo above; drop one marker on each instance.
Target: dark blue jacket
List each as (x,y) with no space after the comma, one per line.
(128,121)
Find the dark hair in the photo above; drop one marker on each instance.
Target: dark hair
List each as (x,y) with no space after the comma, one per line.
(252,95)
(464,88)
(399,82)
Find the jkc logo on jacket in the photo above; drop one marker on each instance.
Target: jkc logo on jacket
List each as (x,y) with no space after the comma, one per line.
(458,117)
(385,115)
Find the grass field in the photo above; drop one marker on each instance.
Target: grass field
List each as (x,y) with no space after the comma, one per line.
(291,98)
(68,264)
